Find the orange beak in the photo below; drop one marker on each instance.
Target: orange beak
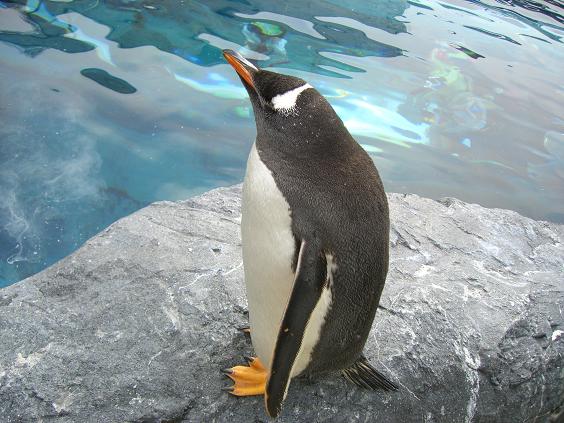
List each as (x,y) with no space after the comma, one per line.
(242,66)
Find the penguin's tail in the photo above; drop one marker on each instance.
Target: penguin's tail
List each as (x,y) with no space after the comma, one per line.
(362,373)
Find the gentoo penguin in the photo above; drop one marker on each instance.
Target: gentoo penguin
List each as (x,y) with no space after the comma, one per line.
(315,231)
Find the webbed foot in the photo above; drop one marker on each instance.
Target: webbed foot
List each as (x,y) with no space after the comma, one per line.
(249,380)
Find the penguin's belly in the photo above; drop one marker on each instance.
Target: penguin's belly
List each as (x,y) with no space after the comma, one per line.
(268,251)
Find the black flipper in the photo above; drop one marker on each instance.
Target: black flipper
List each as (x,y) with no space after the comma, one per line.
(308,286)
(364,375)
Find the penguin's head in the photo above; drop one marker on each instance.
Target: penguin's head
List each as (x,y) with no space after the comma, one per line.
(282,102)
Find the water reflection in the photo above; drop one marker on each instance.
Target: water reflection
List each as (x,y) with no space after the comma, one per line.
(459,98)
(187,29)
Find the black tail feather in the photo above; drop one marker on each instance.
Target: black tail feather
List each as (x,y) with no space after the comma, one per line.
(364,375)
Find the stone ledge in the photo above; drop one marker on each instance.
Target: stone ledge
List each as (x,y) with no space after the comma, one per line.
(135,325)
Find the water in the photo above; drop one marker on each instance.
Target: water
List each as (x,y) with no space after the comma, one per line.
(106,106)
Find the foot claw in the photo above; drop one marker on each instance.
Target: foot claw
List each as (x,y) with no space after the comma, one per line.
(249,380)
(245,329)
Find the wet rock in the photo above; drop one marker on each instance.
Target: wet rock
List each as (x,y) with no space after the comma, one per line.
(136,324)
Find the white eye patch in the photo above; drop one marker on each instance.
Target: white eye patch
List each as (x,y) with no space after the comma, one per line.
(286,102)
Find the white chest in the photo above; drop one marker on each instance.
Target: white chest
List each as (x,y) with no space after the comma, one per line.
(268,251)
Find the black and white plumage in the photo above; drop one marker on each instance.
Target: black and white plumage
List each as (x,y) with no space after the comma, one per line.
(315,231)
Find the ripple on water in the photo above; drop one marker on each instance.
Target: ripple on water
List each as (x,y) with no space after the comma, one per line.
(112,105)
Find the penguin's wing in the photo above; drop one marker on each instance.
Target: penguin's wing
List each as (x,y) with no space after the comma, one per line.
(308,286)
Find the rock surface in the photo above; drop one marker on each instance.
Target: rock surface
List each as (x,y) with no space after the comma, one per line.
(136,324)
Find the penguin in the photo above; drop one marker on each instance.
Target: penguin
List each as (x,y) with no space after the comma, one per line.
(315,239)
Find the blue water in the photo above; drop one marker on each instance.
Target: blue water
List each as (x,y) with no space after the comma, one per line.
(106,106)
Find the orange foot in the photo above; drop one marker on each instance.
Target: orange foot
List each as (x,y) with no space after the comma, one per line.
(249,380)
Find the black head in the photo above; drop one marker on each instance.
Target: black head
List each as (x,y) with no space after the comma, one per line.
(286,106)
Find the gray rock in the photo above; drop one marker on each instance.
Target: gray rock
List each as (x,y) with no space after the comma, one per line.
(136,324)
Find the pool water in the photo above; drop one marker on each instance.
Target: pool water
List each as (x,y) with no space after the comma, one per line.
(107,106)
